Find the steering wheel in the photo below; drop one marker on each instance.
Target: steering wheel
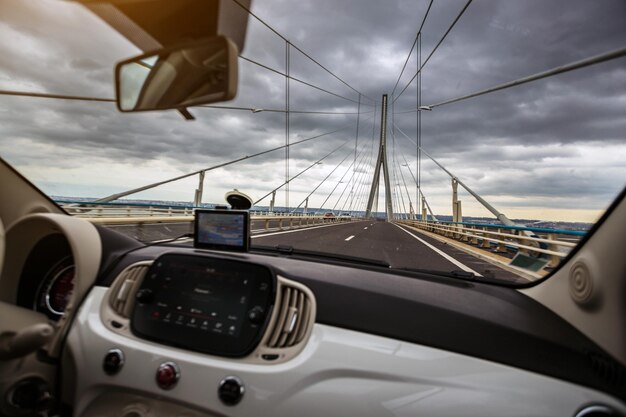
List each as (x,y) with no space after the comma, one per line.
(29,342)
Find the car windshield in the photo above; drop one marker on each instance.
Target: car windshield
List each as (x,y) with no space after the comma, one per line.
(476,139)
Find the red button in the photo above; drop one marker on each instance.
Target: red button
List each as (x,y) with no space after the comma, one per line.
(167,375)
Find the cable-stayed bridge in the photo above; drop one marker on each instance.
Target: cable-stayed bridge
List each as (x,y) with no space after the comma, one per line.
(377,208)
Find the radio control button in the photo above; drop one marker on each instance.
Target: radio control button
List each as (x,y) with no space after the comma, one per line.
(113,361)
(167,375)
(256,315)
(145,296)
(230,390)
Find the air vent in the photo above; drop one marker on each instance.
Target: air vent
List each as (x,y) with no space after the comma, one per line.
(124,288)
(294,313)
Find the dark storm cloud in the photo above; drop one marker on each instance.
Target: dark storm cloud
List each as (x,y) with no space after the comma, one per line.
(366,44)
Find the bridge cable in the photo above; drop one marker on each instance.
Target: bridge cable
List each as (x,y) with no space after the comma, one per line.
(362,192)
(360,178)
(356,144)
(399,196)
(221,165)
(403,180)
(287,122)
(298,49)
(500,216)
(420,189)
(296,79)
(363,176)
(336,185)
(361,188)
(436,47)
(359,165)
(607,56)
(303,171)
(346,187)
(419,32)
(361,158)
(364,189)
(393,157)
(418,162)
(356,184)
(323,181)
(206,106)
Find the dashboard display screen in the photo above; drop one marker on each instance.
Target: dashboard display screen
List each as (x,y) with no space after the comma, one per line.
(205,304)
(221,229)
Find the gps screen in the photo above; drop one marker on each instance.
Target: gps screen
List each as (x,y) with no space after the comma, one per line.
(221,229)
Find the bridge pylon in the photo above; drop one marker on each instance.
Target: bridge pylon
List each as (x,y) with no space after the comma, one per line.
(381,164)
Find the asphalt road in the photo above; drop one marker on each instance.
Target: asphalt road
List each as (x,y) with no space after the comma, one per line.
(398,246)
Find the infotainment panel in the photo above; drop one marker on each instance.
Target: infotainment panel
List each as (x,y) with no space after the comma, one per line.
(204,304)
(222,229)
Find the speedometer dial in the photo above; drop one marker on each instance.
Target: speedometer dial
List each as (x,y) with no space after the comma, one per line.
(56,289)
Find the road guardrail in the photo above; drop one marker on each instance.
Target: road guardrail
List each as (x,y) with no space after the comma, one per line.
(549,243)
(116,213)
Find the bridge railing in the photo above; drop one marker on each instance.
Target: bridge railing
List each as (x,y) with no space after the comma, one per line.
(118,210)
(118,213)
(87,209)
(553,244)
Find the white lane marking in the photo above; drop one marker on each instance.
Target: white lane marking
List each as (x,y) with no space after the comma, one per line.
(299,230)
(365,228)
(440,252)
(273,229)
(349,238)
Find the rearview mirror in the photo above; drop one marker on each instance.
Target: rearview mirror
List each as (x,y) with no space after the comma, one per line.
(180,76)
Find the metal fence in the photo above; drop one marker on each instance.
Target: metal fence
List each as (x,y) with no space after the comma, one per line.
(119,213)
(551,243)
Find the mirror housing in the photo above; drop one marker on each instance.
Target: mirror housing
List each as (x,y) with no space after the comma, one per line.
(179,76)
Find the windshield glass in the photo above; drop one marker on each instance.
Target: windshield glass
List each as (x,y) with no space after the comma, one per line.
(485,137)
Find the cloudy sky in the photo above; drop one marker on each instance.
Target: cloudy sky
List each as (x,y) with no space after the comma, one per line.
(553,149)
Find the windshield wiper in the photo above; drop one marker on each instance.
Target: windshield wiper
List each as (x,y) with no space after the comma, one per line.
(458,274)
(169,240)
(290,250)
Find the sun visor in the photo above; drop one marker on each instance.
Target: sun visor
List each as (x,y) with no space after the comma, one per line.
(152,24)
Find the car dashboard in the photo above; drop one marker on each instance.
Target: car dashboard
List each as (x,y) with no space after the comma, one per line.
(163,330)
